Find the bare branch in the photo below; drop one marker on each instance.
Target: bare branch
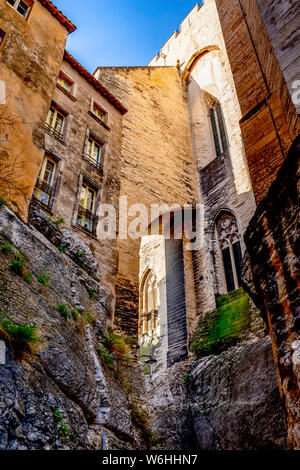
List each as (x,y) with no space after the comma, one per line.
(11,171)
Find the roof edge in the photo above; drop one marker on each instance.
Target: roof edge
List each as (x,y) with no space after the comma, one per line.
(58,15)
(94,82)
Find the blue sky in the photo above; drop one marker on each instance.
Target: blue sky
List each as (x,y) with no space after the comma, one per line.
(121,32)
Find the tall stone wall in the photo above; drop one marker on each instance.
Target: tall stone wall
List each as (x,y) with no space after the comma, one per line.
(176,302)
(157,165)
(269,120)
(272,240)
(281,19)
(198,49)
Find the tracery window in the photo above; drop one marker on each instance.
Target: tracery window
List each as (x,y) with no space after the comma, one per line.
(149,322)
(230,245)
(217,124)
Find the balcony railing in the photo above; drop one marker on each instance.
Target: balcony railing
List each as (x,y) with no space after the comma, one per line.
(51,130)
(46,189)
(89,217)
(87,157)
(44,186)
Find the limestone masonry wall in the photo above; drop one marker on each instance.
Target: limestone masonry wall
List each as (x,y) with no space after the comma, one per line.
(263,95)
(157,165)
(281,19)
(272,240)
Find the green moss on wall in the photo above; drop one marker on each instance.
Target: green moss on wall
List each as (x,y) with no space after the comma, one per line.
(221,328)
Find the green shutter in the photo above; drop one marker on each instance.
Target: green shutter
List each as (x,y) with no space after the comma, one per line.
(222,128)
(215,132)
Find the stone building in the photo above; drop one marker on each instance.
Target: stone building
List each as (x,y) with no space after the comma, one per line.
(180,137)
(30,60)
(81,165)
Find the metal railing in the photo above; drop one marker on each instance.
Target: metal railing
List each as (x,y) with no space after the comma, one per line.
(51,130)
(45,188)
(92,161)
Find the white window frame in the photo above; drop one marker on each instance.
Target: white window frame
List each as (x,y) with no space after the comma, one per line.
(52,122)
(15,7)
(94,143)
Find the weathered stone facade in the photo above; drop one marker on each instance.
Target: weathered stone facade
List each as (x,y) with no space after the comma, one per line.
(272,240)
(157,165)
(30,60)
(269,120)
(70,173)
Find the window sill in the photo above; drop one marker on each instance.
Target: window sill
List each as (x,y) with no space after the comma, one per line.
(84,230)
(96,167)
(99,121)
(69,95)
(61,140)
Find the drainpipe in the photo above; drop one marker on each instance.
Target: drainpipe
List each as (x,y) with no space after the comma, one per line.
(264,78)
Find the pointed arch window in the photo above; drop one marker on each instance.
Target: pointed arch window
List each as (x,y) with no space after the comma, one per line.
(230,245)
(218,126)
(149,314)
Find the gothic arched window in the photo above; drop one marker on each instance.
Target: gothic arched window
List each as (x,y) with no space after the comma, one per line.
(218,126)
(149,315)
(230,245)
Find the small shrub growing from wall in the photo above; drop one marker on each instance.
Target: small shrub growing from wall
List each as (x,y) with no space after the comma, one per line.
(105,357)
(21,338)
(17,267)
(118,345)
(43,279)
(28,278)
(88,317)
(17,264)
(78,259)
(75,314)
(63,429)
(141,420)
(64,311)
(6,248)
(93,295)
(18,261)
(62,249)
